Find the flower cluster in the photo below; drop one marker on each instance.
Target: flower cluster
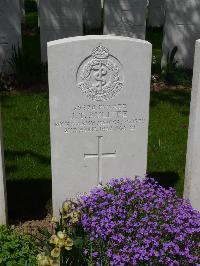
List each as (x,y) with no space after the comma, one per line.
(61,240)
(44,260)
(133,222)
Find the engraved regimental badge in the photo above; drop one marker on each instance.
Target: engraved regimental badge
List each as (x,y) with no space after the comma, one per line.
(100,76)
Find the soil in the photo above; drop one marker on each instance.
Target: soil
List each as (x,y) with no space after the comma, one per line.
(35,227)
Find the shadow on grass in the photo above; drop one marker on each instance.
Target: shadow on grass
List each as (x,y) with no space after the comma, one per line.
(10,154)
(165,179)
(179,98)
(28,199)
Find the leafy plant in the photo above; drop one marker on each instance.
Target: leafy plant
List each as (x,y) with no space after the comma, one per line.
(7,82)
(16,249)
(170,67)
(64,246)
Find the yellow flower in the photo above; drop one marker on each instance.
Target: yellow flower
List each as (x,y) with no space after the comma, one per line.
(74,216)
(66,206)
(68,243)
(55,253)
(54,263)
(61,243)
(61,235)
(54,219)
(68,248)
(43,260)
(40,257)
(53,240)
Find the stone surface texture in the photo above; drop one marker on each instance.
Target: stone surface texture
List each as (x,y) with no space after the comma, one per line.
(99,110)
(3,201)
(181,29)
(10,30)
(192,176)
(125,18)
(156,13)
(59,19)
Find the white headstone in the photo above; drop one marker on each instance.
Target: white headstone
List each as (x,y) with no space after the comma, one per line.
(192,176)
(3,201)
(10,30)
(125,18)
(59,19)
(99,107)
(182,30)
(156,14)
(92,15)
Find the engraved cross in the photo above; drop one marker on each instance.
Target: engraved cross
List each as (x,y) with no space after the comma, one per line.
(100,155)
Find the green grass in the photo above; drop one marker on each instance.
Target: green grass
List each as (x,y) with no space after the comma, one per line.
(27,154)
(27,146)
(169,114)
(31,20)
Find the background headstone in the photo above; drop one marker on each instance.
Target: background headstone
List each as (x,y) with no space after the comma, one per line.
(92,15)
(192,177)
(59,19)
(125,18)
(3,201)
(156,13)
(99,108)
(182,30)
(10,30)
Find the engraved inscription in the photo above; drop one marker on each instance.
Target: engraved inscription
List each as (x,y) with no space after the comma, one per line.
(3,40)
(99,118)
(100,77)
(100,155)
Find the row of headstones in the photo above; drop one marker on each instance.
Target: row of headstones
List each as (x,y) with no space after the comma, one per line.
(99,91)
(64,18)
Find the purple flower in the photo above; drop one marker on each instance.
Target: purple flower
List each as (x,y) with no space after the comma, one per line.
(133,222)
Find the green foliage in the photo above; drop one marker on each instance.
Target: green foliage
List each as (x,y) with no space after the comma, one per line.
(30,6)
(65,245)
(170,68)
(27,70)
(16,249)
(31,22)
(173,74)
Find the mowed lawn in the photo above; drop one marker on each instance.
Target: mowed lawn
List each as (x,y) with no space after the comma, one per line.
(27,146)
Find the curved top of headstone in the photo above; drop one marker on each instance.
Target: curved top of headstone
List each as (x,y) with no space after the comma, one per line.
(97,37)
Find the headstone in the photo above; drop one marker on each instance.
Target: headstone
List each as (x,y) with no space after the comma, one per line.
(156,14)
(10,30)
(125,18)
(59,19)
(3,201)
(92,15)
(192,179)
(182,30)
(99,108)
